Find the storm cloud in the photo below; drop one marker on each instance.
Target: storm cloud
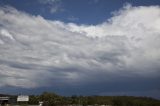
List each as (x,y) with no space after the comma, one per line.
(121,54)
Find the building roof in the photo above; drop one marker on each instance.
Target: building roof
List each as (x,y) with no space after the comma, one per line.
(4,98)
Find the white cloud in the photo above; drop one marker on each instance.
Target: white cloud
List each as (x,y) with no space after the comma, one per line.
(6,34)
(46,52)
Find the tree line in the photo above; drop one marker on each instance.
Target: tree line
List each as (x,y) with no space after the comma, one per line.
(52,99)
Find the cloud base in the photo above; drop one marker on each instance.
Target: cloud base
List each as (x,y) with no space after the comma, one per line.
(124,50)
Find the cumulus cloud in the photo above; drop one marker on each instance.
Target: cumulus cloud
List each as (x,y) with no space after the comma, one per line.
(35,52)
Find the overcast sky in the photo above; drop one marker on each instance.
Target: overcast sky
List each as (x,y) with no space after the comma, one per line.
(83,47)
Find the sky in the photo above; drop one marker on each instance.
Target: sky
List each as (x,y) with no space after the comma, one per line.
(80,47)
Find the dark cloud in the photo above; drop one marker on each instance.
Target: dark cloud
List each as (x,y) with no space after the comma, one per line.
(118,56)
